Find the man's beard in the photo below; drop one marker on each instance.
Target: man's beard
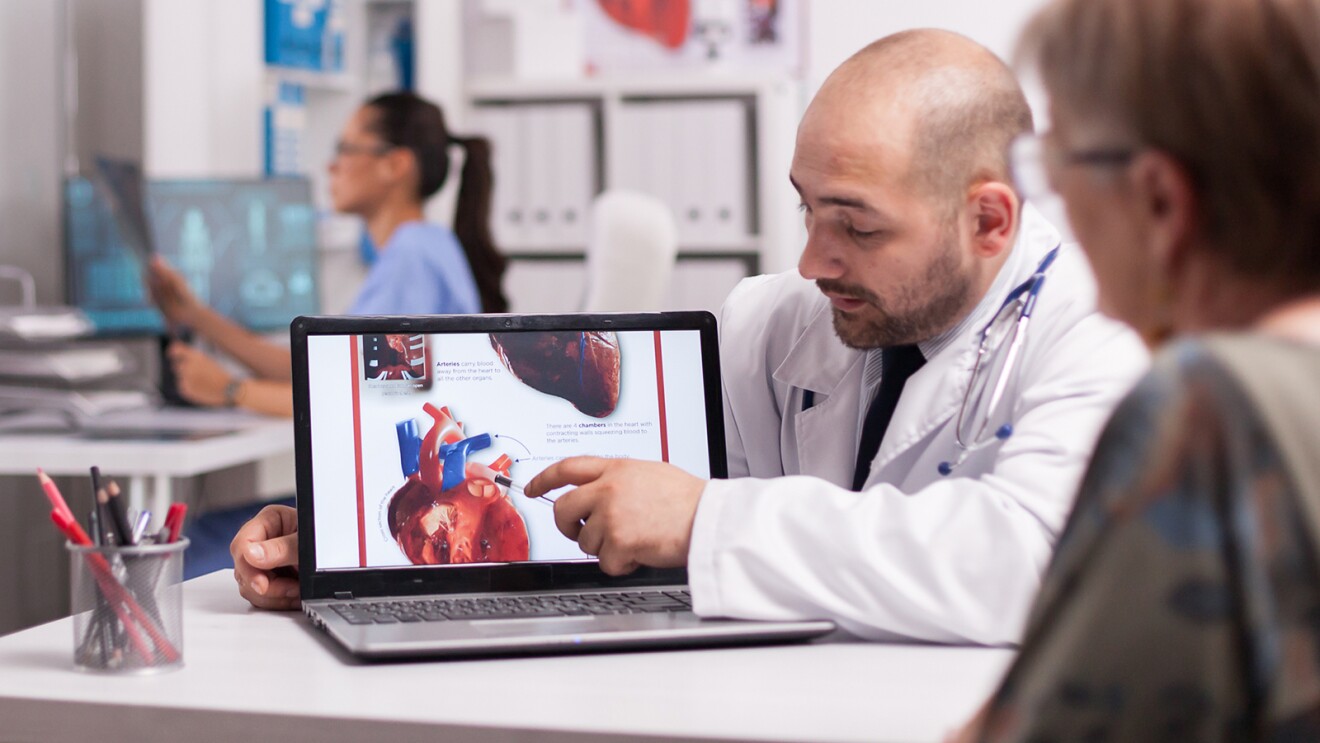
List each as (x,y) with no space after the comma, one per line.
(931,306)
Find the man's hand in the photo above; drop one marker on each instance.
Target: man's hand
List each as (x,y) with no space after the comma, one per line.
(169,290)
(264,550)
(200,379)
(627,512)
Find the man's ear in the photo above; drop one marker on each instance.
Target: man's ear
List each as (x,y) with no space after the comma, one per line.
(1166,202)
(994,210)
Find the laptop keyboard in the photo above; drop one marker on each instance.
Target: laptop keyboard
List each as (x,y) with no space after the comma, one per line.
(513,607)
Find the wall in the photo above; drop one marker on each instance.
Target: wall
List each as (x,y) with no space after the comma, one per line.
(203,83)
(31,143)
(837,28)
(31,148)
(104,93)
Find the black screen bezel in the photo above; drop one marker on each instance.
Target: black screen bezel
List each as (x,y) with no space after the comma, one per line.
(403,581)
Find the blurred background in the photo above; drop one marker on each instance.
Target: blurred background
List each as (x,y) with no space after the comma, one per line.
(232,110)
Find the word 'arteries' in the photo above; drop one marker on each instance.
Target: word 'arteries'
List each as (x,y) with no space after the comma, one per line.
(451,510)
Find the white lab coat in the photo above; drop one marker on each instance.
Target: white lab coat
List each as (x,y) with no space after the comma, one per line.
(915,555)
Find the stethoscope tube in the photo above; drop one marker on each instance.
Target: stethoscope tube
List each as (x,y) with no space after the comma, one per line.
(1028,291)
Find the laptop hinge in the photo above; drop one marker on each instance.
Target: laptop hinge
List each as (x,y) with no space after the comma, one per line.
(343,595)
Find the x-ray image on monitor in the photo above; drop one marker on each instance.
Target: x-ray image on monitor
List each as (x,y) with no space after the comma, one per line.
(246,247)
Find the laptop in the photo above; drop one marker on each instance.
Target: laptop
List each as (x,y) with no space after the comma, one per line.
(414,436)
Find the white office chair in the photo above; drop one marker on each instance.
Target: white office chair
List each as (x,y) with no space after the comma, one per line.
(630,255)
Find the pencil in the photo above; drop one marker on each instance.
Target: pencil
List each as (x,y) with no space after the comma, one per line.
(119,514)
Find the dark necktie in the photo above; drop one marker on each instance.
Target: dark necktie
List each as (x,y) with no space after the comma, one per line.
(896,365)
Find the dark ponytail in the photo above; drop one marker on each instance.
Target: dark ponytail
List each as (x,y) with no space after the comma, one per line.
(409,121)
(472,223)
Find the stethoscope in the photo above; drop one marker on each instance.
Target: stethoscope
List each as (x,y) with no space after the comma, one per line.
(969,441)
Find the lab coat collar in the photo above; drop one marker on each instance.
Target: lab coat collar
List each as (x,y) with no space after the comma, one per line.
(818,360)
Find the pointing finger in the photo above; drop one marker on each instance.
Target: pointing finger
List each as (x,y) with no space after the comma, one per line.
(571,471)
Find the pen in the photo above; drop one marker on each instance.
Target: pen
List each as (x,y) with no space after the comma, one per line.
(511,485)
(174,521)
(140,526)
(103,509)
(99,629)
(94,523)
(119,514)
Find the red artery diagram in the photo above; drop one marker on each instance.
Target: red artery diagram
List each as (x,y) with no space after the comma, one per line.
(666,21)
(450,510)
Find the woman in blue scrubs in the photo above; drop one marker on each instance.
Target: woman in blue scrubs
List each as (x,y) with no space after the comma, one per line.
(391,157)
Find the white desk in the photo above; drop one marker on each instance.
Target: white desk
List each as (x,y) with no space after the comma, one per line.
(268,676)
(150,464)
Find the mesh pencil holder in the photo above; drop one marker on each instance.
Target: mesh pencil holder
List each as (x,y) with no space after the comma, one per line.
(127,605)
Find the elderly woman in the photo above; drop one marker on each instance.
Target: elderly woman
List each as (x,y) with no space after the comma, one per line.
(1183,603)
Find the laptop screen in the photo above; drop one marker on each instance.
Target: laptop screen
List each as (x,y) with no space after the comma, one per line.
(420,441)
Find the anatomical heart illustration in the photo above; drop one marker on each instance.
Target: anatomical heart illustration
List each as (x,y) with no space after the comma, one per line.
(450,510)
(580,367)
(665,21)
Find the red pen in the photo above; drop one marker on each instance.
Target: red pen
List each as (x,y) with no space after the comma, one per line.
(174,520)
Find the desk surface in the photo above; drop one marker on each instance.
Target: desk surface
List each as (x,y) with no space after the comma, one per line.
(247,438)
(248,671)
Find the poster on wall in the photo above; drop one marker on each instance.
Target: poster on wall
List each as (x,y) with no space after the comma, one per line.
(735,36)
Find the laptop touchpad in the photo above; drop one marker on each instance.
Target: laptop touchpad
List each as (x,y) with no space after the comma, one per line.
(537,626)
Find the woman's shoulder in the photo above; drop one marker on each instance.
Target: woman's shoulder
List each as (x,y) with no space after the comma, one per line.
(1200,394)
(1232,362)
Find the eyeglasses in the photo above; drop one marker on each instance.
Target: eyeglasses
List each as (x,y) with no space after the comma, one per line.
(343,149)
(996,358)
(1032,160)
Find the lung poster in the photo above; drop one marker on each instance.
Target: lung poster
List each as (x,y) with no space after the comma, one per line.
(420,443)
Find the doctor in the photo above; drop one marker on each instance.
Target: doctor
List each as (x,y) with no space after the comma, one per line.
(867,484)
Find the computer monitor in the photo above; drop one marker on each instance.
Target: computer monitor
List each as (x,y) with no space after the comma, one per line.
(246,247)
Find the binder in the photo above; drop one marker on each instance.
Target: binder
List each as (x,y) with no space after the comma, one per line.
(704,284)
(540,158)
(661,154)
(630,169)
(501,125)
(728,189)
(573,133)
(696,176)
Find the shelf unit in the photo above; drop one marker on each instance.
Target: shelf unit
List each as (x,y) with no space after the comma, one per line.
(626,114)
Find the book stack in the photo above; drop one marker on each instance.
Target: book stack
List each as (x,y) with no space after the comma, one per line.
(49,377)
(64,385)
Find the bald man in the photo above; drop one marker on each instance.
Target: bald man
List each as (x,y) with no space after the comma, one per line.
(851,497)
(844,381)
